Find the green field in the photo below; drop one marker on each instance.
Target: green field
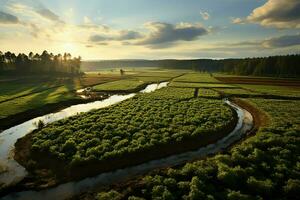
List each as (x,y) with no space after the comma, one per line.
(127,84)
(12,89)
(207,93)
(152,79)
(35,100)
(137,80)
(33,93)
(237,91)
(197,77)
(164,73)
(265,166)
(142,123)
(148,126)
(200,85)
(273,90)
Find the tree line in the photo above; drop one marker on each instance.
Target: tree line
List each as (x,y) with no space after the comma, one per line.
(278,66)
(45,63)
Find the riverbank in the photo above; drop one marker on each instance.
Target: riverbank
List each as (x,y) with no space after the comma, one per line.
(21,117)
(46,171)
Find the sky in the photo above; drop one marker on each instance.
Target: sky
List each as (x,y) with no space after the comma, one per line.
(151,29)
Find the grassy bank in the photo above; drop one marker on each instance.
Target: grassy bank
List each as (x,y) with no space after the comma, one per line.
(26,98)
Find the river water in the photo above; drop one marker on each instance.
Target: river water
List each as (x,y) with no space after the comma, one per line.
(8,138)
(66,190)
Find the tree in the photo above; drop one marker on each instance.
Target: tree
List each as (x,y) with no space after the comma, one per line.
(39,64)
(122,72)
(2,61)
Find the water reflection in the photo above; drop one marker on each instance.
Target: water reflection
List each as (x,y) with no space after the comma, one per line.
(153,87)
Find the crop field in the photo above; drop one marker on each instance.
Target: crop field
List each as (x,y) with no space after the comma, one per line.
(264,166)
(200,85)
(189,113)
(166,74)
(152,79)
(136,81)
(170,93)
(273,90)
(126,84)
(197,77)
(237,91)
(94,79)
(259,80)
(144,122)
(202,92)
(150,100)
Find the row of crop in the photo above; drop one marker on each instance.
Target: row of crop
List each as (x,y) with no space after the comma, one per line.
(266,166)
(143,122)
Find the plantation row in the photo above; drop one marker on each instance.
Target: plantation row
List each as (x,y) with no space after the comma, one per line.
(143,122)
(265,166)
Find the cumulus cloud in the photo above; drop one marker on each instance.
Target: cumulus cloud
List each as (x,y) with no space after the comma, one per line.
(237,21)
(276,13)
(283,41)
(204,15)
(161,33)
(6,18)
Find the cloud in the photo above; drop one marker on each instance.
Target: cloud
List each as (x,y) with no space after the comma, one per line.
(120,36)
(204,15)
(98,38)
(89,24)
(237,21)
(48,14)
(6,18)
(161,33)
(243,44)
(34,30)
(276,13)
(283,41)
(129,35)
(33,11)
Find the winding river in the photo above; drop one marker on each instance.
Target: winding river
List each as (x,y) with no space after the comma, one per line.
(16,172)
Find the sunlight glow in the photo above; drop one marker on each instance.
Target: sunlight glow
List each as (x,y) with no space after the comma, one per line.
(69,47)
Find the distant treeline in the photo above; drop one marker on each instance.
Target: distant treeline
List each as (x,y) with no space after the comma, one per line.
(280,66)
(46,63)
